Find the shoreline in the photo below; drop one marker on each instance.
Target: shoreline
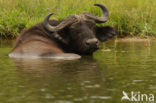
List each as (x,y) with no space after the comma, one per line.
(135,39)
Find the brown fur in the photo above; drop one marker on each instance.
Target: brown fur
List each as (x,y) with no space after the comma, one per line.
(34,41)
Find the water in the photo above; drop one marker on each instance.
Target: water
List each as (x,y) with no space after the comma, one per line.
(101,78)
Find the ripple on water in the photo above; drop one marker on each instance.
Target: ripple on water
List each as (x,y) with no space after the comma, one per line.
(101,97)
(86,81)
(43,89)
(93,86)
(111,90)
(69,96)
(87,84)
(153,87)
(80,99)
(137,81)
(154,75)
(49,96)
(62,101)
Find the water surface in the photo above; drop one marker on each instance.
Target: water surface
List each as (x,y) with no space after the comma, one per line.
(101,78)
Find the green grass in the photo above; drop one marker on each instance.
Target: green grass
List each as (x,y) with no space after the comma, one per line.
(130,17)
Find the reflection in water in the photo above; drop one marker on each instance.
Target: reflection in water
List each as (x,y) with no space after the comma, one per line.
(59,80)
(56,68)
(119,66)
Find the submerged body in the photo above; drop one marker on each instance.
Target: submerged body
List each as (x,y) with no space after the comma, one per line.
(69,38)
(35,43)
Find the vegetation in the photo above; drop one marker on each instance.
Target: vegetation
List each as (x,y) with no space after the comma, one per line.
(130,17)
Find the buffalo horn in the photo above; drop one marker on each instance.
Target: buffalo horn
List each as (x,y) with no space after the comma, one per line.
(101,19)
(69,20)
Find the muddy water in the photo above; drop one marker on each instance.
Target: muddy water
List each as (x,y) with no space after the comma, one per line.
(101,78)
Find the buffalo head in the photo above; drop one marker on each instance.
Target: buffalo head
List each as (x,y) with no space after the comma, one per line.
(82,32)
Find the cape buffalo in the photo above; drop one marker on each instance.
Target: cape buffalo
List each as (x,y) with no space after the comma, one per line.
(75,35)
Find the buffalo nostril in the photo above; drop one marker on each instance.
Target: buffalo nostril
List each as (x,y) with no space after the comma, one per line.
(93,41)
(87,43)
(96,42)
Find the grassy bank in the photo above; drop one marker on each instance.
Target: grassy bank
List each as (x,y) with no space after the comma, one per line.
(130,17)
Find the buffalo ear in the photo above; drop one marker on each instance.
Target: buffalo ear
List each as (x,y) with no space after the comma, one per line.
(104,33)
